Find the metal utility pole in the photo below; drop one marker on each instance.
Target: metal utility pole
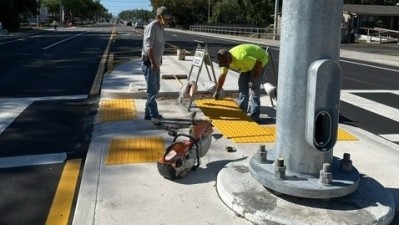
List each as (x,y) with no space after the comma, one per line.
(308,106)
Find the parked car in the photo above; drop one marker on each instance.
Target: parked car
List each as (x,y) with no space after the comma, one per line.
(139,24)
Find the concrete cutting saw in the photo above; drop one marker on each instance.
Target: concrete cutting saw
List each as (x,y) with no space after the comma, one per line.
(184,154)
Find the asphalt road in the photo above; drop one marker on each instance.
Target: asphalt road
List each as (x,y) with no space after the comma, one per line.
(45,81)
(45,108)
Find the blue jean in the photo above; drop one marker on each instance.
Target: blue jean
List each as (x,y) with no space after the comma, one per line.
(249,95)
(152,78)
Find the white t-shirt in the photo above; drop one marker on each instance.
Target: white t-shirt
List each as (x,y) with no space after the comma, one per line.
(154,38)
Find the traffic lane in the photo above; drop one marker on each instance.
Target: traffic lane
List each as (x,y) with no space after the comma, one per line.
(355,74)
(363,76)
(27,192)
(14,50)
(370,64)
(372,48)
(126,45)
(189,42)
(66,68)
(47,127)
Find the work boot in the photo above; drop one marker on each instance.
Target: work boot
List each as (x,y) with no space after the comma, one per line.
(156,120)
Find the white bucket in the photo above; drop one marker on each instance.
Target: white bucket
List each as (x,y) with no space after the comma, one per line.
(181,54)
(271,90)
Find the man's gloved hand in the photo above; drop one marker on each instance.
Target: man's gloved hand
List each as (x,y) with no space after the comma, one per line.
(216,95)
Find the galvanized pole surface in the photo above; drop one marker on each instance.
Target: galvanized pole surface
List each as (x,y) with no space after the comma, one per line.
(312,31)
(308,104)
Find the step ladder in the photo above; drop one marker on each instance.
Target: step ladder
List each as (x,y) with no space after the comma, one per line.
(189,89)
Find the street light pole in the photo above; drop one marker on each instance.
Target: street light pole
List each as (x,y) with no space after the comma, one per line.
(60,13)
(275,29)
(38,13)
(209,11)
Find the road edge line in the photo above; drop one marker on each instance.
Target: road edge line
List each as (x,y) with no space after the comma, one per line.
(62,202)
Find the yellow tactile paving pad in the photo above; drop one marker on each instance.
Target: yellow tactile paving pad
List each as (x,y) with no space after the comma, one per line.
(228,118)
(117,110)
(345,136)
(134,150)
(270,136)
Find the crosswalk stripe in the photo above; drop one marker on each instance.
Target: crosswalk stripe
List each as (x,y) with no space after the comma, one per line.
(32,160)
(372,106)
(10,108)
(391,137)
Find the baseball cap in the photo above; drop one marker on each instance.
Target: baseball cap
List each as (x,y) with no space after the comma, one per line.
(223,57)
(164,12)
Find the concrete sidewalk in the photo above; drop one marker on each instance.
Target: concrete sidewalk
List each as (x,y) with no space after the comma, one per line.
(136,193)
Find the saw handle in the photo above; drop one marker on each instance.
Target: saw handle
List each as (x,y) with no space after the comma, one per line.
(193,141)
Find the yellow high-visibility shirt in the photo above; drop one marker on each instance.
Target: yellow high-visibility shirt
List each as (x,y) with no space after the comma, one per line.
(244,57)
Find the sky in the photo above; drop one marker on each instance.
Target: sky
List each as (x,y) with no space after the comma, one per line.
(116,6)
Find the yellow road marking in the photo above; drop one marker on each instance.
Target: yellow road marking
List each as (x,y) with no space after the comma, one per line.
(62,202)
(135,150)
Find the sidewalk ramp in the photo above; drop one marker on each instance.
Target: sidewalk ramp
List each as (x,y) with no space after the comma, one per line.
(234,124)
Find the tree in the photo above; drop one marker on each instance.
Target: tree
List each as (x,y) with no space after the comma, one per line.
(228,11)
(249,12)
(252,12)
(84,9)
(53,6)
(136,14)
(185,12)
(12,10)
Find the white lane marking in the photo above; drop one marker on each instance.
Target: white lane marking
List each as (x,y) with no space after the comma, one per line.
(32,160)
(57,43)
(50,98)
(391,137)
(10,108)
(372,91)
(7,42)
(198,41)
(174,35)
(372,106)
(364,64)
